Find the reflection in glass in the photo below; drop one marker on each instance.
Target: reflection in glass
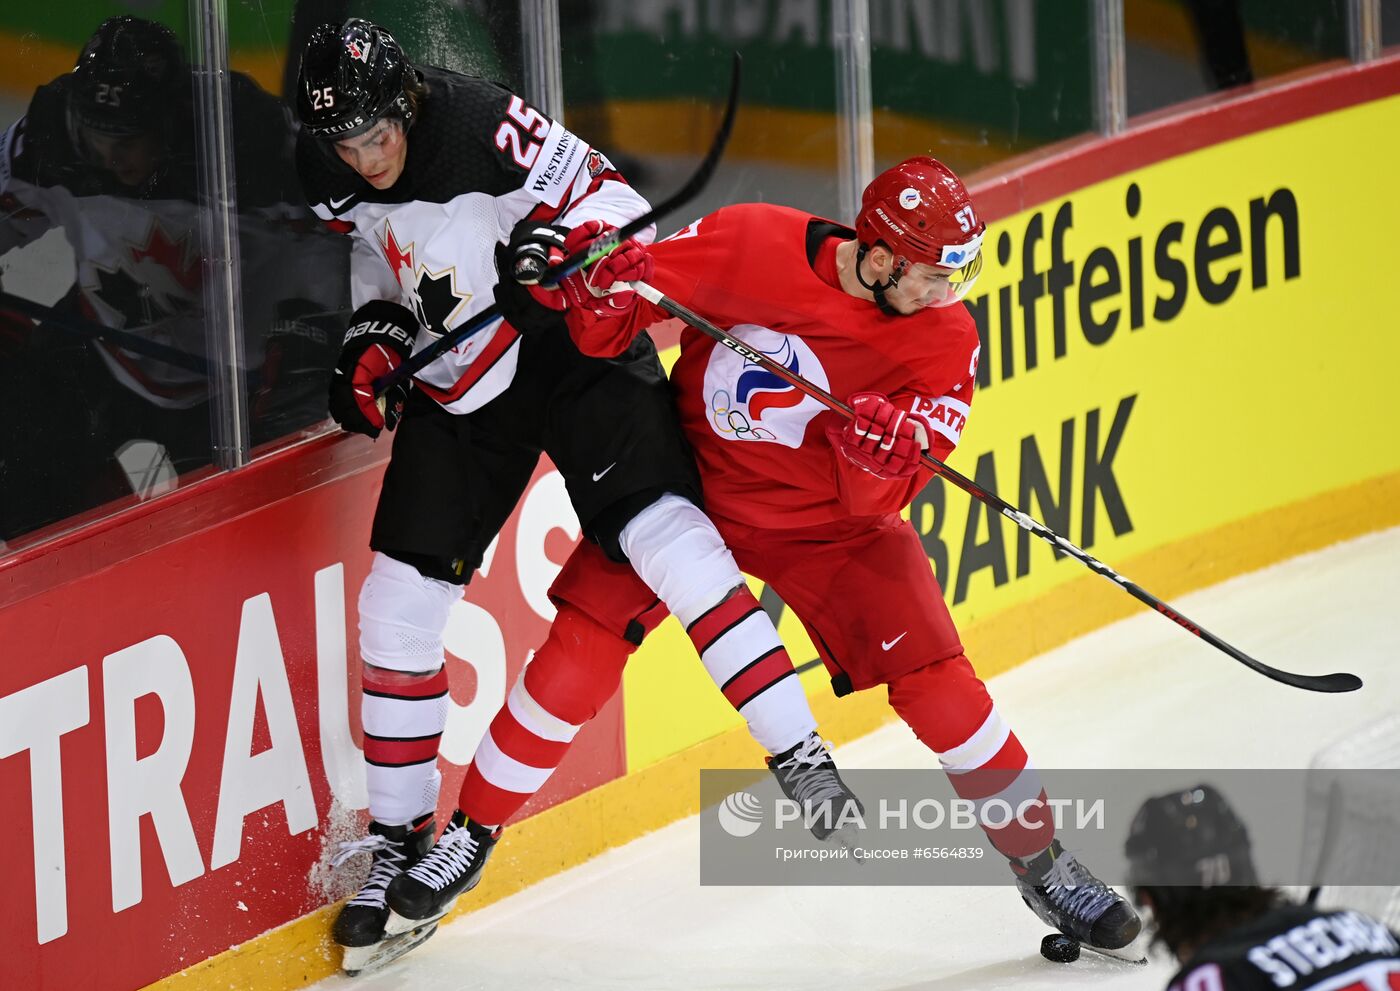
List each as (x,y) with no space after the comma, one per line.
(99,257)
(102,313)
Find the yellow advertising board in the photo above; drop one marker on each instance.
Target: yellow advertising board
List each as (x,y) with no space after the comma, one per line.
(1167,355)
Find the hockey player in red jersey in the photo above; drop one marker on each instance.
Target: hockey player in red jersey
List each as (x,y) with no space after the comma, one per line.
(809,502)
(441,180)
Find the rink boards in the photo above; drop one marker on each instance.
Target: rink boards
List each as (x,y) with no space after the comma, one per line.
(175,719)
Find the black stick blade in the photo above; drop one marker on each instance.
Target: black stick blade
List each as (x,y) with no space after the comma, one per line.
(1342,681)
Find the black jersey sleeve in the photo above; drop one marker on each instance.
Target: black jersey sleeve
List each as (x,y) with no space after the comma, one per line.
(1299,947)
(555,174)
(476,134)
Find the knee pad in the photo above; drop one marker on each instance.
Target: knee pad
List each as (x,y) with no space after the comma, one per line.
(577,669)
(402,616)
(609,593)
(945,704)
(676,550)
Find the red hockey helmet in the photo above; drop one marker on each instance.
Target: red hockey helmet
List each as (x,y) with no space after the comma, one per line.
(922,212)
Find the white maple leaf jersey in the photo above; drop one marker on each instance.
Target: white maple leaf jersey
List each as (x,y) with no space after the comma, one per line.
(480,160)
(136,252)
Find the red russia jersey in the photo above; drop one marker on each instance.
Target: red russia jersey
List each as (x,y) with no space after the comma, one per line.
(761,444)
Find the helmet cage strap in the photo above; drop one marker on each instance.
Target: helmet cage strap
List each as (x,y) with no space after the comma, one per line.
(878,288)
(401,109)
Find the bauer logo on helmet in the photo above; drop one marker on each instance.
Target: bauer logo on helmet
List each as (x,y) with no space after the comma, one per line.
(890,221)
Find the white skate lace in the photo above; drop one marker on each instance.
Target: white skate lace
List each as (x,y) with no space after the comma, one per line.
(1074,889)
(388,856)
(812,774)
(449,860)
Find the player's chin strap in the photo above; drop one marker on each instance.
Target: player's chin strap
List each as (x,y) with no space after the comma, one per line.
(877,287)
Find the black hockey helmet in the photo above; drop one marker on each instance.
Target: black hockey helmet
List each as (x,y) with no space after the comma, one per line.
(1188,838)
(351,75)
(127,81)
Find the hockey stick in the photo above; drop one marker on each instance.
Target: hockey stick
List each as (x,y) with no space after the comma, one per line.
(49,317)
(1340,682)
(595,250)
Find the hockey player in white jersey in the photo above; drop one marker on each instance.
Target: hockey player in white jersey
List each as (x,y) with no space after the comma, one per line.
(441,179)
(111,351)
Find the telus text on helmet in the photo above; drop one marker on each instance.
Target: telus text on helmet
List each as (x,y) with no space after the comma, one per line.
(347,125)
(1211,261)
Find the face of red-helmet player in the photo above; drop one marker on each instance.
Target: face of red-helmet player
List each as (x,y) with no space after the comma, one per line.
(918,285)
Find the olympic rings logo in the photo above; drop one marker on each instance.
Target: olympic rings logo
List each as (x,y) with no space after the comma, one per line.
(734,421)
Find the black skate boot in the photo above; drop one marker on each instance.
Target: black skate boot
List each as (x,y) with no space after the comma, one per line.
(427,891)
(359,928)
(1060,890)
(808,776)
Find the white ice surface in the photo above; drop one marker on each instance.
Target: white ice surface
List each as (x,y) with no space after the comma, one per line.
(1140,693)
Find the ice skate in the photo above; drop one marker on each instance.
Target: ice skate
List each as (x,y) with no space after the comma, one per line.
(359,928)
(426,892)
(1062,891)
(808,776)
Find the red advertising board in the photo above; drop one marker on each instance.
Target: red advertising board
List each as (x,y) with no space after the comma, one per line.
(179,729)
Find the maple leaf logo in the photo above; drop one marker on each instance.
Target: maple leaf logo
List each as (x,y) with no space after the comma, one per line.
(172,255)
(400,259)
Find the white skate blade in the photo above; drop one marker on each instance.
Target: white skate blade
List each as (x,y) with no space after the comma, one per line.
(847,836)
(398,925)
(1130,954)
(367,959)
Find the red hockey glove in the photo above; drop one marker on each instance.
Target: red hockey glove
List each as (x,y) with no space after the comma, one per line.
(882,439)
(591,288)
(380,338)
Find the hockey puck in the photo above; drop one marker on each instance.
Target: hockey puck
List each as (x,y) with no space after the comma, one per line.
(1059,948)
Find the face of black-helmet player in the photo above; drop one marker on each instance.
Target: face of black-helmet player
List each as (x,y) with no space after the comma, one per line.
(124,95)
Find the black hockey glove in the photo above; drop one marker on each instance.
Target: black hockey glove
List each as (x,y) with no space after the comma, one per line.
(299,358)
(527,306)
(380,338)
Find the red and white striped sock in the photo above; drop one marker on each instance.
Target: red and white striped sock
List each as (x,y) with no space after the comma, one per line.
(992,766)
(403,716)
(680,555)
(949,710)
(741,651)
(572,675)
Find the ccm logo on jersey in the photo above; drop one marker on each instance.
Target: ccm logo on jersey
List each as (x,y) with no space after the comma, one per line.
(379,327)
(749,403)
(947,415)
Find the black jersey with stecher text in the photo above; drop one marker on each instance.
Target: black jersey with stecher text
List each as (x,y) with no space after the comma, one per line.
(480,160)
(1299,947)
